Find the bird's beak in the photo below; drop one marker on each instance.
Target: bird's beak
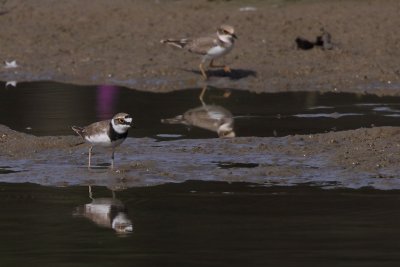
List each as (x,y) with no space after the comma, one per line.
(234,36)
(128,121)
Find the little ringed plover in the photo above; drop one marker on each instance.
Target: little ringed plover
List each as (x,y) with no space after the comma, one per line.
(107,133)
(210,47)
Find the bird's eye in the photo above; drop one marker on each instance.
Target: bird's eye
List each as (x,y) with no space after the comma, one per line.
(121,120)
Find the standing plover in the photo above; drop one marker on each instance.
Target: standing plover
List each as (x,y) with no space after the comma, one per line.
(210,47)
(108,133)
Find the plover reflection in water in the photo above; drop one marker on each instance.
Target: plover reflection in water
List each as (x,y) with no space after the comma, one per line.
(108,133)
(210,47)
(210,117)
(106,212)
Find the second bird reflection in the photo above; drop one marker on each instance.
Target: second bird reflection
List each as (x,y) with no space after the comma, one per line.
(209,117)
(106,212)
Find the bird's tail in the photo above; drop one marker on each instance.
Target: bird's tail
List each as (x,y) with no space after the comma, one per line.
(181,43)
(79,131)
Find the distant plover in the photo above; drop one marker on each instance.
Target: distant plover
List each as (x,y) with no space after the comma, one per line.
(209,117)
(210,47)
(107,133)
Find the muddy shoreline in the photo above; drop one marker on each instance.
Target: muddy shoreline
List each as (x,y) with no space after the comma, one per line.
(349,159)
(102,42)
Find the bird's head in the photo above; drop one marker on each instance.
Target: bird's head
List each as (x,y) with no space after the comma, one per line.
(121,122)
(226,32)
(226,130)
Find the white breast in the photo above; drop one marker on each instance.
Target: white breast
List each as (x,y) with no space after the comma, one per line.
(217,51)
(101,139)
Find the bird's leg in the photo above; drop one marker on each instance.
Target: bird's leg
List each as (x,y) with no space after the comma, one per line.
(90,192)
(203,73)
(226,68)
(90,156)
(112,159)
(202,95)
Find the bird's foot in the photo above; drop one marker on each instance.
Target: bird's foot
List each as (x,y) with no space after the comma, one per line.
(227,94)
(227,69)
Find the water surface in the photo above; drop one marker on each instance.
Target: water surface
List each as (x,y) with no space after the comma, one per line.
(48,108)
(193,223)
(202,224)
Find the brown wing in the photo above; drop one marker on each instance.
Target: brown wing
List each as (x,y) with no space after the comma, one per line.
(96,127)
(202,45)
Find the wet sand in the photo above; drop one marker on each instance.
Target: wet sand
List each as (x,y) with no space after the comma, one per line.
(118,42)
(103,42)
(350,159)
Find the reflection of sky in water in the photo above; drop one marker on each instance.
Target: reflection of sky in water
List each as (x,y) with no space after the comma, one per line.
(334,115)
(321,107)
(106,100)
(385,109)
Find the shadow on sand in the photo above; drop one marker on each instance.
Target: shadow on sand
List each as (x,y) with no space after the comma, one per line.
(235,74)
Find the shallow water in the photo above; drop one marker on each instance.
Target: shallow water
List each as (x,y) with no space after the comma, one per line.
(179,222)
(202,224)
(48,108)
